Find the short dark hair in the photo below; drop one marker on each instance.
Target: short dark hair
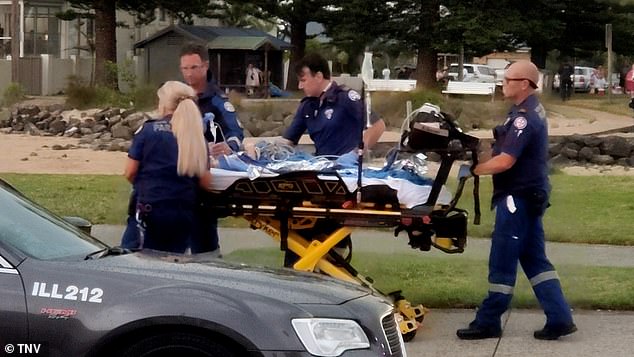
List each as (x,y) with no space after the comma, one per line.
(315,63)
(195,49)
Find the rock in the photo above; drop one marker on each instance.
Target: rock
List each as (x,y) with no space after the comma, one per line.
(602,160)
(624,161)
(592,141)
(57,126)
(88,122)
(554,149)
(127,112)
(43,115)
(113,120)
(74,121)
(28,109)
(31,129)
(577,139)
(616,146)
(70,131)
(573,146)
(134,121)
(99,128)
(586,154)
(569,153)
(89,139)
(121,131)
(559,161)
(56,108)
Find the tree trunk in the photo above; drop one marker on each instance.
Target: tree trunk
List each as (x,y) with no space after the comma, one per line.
(15,42)
(426,67)
(427,56)
(538,56)
(105,43)
(298,41)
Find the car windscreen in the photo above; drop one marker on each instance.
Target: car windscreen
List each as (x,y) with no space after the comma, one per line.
(454,69)
(39,234)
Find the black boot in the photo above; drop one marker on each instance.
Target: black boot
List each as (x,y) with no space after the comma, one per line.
(475,332)
(554,332)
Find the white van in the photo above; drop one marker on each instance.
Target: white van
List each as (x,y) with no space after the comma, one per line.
(474,73)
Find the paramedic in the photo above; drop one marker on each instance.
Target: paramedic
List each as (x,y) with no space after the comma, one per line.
(520,197)
(167,162)
(227,138)
(194,66)
(334,116)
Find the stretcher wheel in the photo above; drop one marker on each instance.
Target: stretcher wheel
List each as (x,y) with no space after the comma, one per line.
(407,327)
(406,309)
(409,336)
(420,318)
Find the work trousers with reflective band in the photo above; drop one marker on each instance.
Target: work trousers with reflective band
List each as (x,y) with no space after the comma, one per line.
(519,236)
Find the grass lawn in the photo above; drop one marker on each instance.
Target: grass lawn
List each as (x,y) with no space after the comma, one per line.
(462,283)
(591,209)
(585,209)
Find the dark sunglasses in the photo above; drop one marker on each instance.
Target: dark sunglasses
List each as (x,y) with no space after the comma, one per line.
(532,84)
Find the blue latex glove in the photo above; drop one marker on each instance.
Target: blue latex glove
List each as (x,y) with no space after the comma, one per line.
(348,160)
(232,163)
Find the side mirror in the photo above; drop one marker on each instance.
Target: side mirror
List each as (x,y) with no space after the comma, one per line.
(80,223)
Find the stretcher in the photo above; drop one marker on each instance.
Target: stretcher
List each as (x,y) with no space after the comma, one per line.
(285,206)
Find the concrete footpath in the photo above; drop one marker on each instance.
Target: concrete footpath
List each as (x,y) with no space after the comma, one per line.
(601,333)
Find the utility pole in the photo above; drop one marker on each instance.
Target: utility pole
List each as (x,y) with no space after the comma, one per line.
(15,40)
(608,44)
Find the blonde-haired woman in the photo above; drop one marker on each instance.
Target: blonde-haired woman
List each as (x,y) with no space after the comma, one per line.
(167,162)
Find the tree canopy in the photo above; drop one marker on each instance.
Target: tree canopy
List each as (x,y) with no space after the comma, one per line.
(576,28)
(106,23)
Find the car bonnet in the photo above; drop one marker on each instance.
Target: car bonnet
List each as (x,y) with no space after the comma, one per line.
(163,269)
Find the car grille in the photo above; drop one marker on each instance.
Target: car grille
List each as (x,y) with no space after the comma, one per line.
(392,334)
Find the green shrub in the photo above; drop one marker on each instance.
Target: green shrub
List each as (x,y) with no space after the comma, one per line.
(12,95)
(81,95)
(144,97)
(78,93)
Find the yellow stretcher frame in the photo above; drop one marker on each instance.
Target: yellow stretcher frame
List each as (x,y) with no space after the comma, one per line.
(313,257)
(281,206)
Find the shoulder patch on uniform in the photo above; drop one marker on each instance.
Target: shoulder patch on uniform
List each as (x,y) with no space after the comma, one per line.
(354,95)
(229,107)
(520,123)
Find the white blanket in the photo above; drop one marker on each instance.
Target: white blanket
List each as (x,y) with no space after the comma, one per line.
(409,194)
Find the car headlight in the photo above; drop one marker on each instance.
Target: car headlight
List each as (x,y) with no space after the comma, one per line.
(330,337)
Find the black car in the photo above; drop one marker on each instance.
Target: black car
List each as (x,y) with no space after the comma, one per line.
(64,293)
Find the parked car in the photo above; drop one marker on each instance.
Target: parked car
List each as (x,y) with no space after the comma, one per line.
(64,293)
(475,73)
(582,79)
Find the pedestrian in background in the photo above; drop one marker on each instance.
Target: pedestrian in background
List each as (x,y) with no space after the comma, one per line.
(521,188)
(252,81)
(566,72)
(629,85)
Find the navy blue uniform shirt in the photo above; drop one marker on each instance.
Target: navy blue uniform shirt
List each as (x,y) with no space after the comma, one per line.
(213,100)
(335,122)
(524,136)
(157,179)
